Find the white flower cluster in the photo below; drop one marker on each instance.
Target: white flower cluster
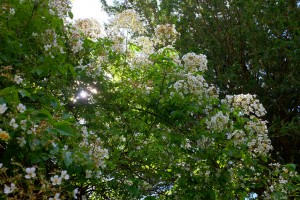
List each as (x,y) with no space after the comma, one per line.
(170,52)
(89,27)
(97,153)
(119,44)
(139,60)
(56,180)
(218,122)
(129,20)
(280,184)
(194,62)
(191,84)
(166,34)
(60,8)
(145,43)
(77,46)
(205,142)
(92,69)
(261,143)
(238,137)
(51,44)
(247,103)
(75,41)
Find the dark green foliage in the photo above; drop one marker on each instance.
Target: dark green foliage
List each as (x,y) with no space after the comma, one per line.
(252,47)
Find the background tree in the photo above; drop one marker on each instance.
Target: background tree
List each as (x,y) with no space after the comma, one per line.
(252,46)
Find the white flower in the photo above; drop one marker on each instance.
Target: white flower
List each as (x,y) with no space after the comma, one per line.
(13,123)
(18,79)
(65,175)
(56,180)
(47,47)
(75,192)
(77,47)
(3,108)
(8,190)
(56,197)
(88,173)
(54,144)
(207,173)
(32,130)
(23,124)
(1,165)
(30,173)
(12,11)
(21,141)
(21,108)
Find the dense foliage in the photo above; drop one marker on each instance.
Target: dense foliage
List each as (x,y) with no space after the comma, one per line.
(253,47)
(125,116)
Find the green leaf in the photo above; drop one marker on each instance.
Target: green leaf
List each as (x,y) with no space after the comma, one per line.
(10,94)
(53,131)
(64,129)
(70,15)
(54,103)
(68,159)
(39,71)
(72,70)
(24,93)
(44,114)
